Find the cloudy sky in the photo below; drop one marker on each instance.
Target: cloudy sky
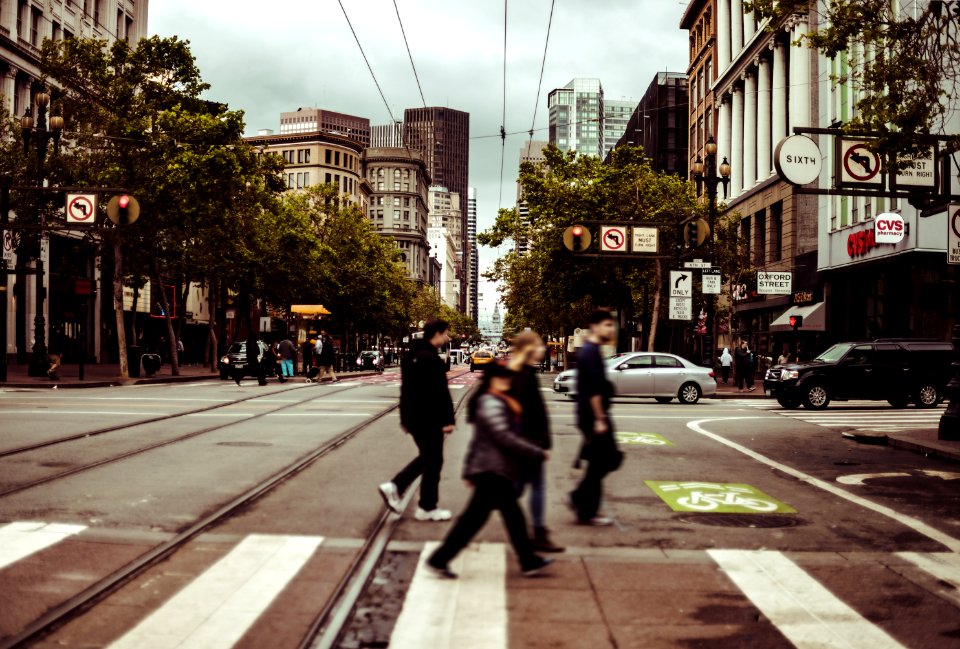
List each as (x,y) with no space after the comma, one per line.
(268,57)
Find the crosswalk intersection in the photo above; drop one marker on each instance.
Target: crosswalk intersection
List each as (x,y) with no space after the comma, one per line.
(663,597)
(854,415)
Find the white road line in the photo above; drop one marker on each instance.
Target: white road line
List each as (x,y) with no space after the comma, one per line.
(918,526)
(217,608)
(465,613)
(809,615)
(942,565)
(139,399)
(319,414)
(379,402)
(51,411)
(23,538)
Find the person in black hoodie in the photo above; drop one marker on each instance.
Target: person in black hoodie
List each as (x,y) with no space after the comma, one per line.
(426,412)
(492,467)
(528,351)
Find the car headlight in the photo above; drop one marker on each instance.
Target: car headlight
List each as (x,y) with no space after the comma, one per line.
(786,375)
(225,360)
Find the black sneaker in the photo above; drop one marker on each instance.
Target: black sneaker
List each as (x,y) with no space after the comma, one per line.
(535,566)
(443,571)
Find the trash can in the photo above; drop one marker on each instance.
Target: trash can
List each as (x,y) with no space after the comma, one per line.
(134,353)
(151,364)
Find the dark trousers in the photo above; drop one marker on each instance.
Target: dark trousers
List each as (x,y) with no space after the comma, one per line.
(725,372)
(744,376)
(588,494)
(491,492)
(427,464)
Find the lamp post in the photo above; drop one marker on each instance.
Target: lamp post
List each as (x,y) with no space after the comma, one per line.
(40,136)
(706,177)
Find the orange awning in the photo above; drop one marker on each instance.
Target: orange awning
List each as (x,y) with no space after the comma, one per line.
(309,310)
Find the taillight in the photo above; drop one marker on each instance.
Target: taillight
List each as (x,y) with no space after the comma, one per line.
(711,375)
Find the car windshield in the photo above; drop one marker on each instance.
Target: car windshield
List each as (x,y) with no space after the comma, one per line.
(616,358)
(237,348)
(482,355)
(368,354)
(835,353)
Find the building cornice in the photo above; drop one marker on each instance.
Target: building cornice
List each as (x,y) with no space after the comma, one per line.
(313,137)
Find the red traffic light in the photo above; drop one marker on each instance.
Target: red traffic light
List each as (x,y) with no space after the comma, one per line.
(577,231)
(123,202)
(796,321)
(793,321)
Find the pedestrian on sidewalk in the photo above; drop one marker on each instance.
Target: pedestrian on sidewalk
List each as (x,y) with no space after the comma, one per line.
(594,393)
(288,356)
(493,468)
(726,360)
(426,412)
(784,357)
(326,356)
(271,364)
(526,359)
(743,366)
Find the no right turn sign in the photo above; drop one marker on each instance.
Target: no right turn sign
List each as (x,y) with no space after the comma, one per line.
(953,234)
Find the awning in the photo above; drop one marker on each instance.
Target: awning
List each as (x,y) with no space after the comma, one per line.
(813,318)
(309,310)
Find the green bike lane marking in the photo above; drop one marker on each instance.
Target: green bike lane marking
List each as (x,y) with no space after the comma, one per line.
(717,498)
(646,439)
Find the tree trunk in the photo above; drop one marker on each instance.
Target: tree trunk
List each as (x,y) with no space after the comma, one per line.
(655,316)
(171,335)
(133,313)
(212,342)
(118,307)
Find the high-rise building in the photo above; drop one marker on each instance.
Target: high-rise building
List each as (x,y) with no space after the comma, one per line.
(473,261)
(442,136)
(307,120)
(577,117)
(443,249)
(659,123)
(390,135)
(398,206)
(616,114)
(532,151)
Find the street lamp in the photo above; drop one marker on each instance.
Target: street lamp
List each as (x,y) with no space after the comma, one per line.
(40,136)
(705,175)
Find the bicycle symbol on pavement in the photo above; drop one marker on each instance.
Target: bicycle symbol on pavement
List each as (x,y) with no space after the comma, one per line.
(647,439)
(716,498)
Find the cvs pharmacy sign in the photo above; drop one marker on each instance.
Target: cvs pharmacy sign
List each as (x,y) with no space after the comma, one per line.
(889,228)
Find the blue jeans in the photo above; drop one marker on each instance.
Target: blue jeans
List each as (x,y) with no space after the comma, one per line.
(286,366)
(533,476)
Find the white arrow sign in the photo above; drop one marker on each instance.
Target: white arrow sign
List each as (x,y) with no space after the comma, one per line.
(681,283)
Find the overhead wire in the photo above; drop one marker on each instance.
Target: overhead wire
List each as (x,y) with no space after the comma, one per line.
(543,63)
(503,118)
(412,65)
(367,61)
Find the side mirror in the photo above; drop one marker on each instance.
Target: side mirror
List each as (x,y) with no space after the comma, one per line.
(620,368)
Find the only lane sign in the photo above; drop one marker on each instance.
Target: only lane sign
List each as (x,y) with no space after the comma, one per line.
(681,283)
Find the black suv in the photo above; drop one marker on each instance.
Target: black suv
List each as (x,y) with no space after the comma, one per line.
(898,370)
(236,358)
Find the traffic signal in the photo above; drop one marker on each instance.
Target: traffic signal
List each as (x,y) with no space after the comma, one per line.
(796,321)
(123,209)
(576,238)
(692,234)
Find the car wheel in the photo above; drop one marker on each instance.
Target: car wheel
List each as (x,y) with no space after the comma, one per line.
(899,402)
(788,403)
(663,399)
(224,376)
(815,396)
(927,396)
(689,393)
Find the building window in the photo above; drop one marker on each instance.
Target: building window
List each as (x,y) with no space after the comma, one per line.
(406,187)
(290,181)
(867,210)
(406,215)
(745,235)
(306,179)
(776,232)
(396,201)
(406,202)
(326,178)
(380,186)
(396,186)
(326,155)
(396,215)
(299,156)
(760,234)
(336,158)
(35,27)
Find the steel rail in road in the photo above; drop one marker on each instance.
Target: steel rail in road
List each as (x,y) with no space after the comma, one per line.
(328,627)
(86,599)
(169,442)
(153,420)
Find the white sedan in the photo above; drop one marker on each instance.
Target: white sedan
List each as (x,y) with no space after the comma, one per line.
(650,374)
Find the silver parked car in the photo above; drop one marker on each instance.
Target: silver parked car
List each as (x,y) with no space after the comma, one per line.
(650,374)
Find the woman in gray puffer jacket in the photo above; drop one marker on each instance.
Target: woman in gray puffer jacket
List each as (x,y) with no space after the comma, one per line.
(492,466)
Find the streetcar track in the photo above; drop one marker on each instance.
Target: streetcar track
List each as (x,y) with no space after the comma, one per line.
(153,420)
(98,591)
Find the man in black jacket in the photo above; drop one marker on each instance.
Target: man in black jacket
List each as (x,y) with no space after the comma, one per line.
(426,412)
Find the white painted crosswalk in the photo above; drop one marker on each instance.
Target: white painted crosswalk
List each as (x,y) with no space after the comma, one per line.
(854,415)
(221,604)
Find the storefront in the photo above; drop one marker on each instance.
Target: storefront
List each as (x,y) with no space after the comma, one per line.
(900,289)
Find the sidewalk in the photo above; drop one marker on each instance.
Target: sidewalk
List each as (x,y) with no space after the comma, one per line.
(730,391)
(101,375)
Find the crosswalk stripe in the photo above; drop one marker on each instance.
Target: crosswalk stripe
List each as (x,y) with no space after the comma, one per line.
(465,613)
(808,614)
(219,606)
(23,538)
(945,566)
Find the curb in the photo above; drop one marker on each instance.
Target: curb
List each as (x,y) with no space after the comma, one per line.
(904,442)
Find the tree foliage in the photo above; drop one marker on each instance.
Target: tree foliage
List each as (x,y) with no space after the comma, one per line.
(906,63)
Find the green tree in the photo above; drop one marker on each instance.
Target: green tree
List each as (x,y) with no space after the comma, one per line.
(908,71)
(135,119)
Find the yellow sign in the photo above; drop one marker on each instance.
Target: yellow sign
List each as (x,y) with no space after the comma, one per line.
(309,310)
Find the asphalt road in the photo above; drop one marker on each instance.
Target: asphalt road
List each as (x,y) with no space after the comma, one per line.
(846,515)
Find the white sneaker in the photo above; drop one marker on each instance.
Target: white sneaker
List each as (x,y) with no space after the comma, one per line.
(433,515)
(391,496)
